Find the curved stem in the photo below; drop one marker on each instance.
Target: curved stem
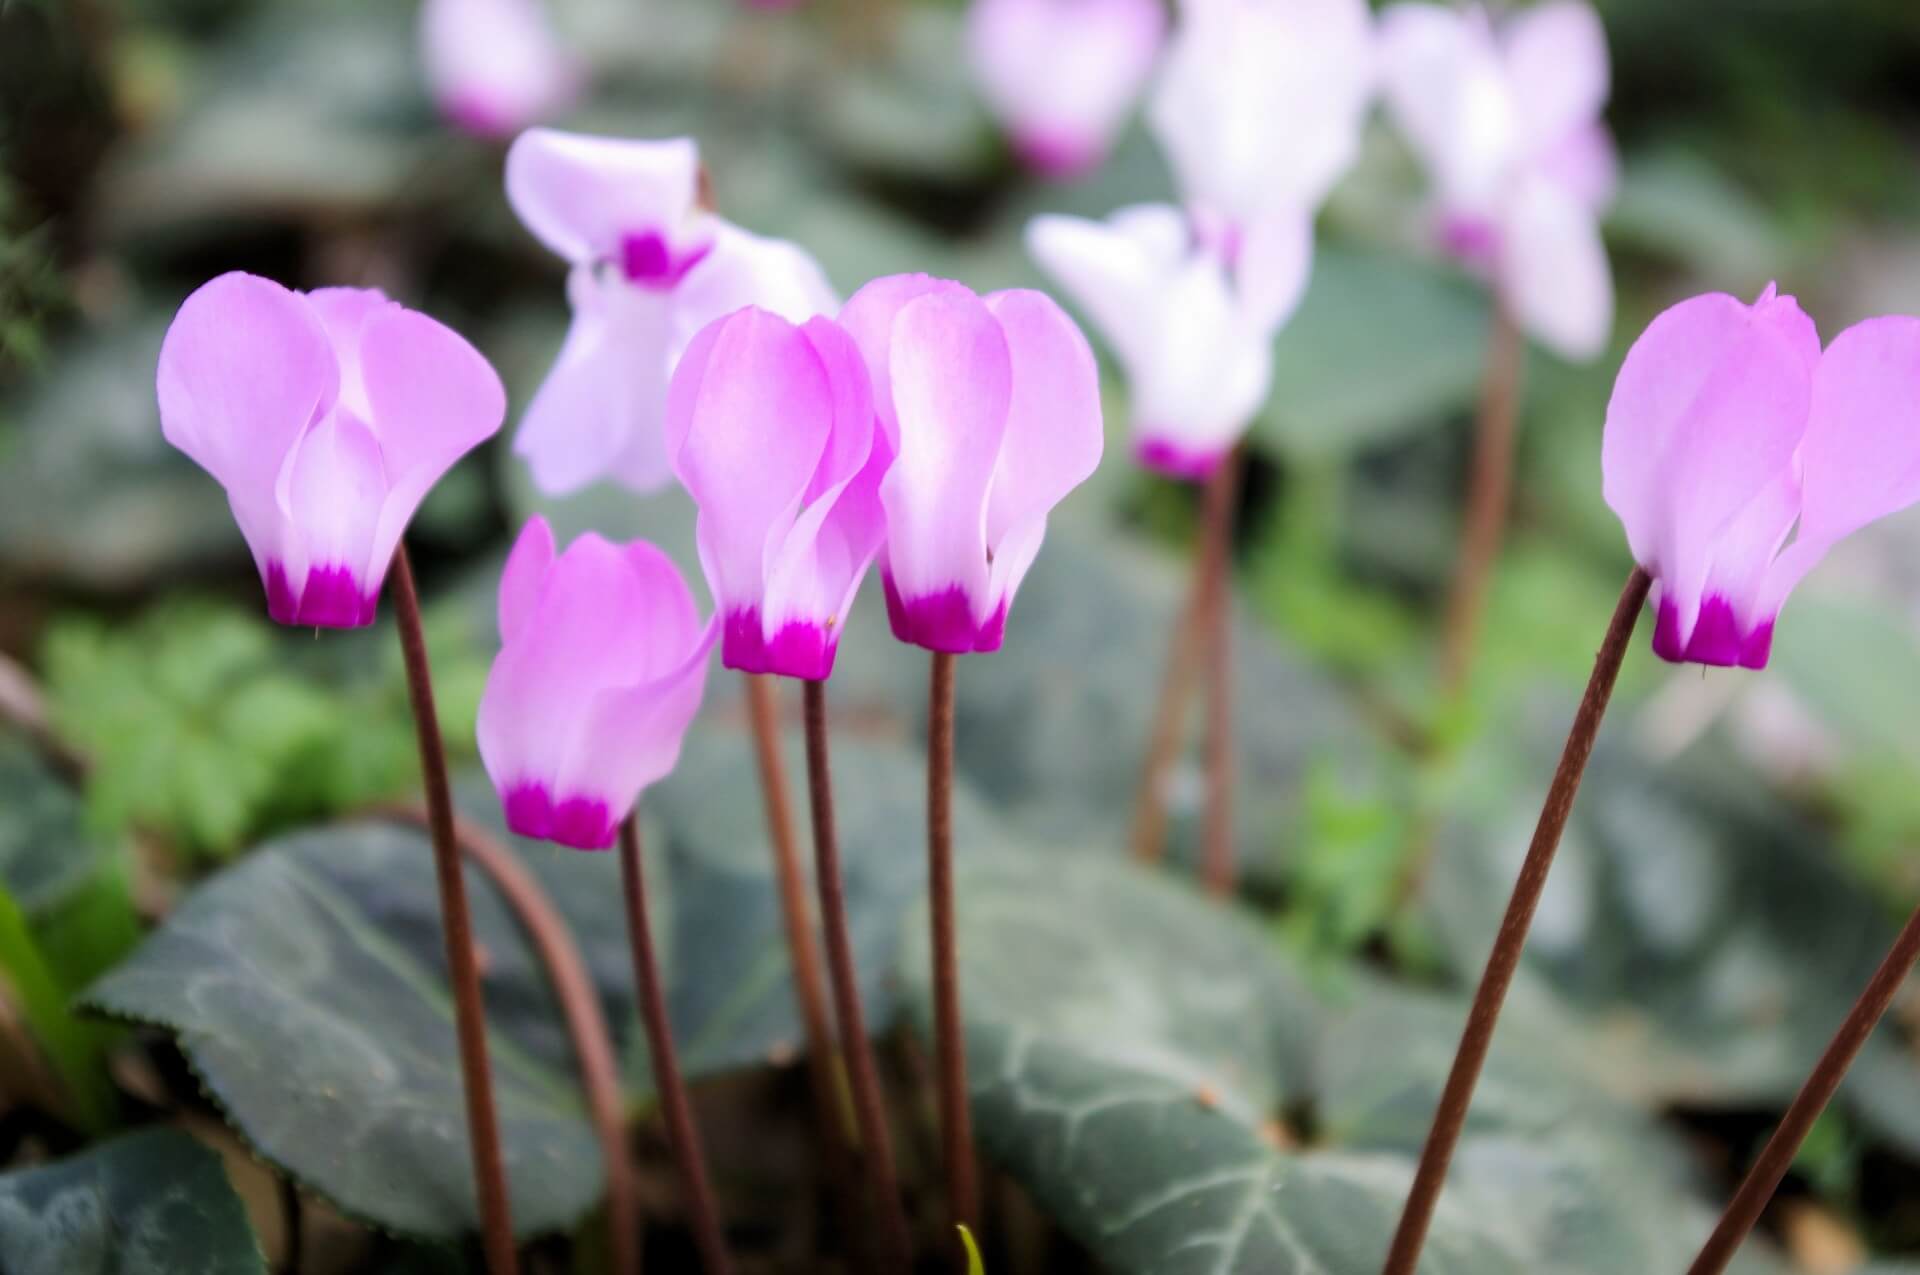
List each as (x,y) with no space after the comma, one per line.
(1488,492)
(1217,866)
(1744,1209)
(463,968)
(667,1081)
(893,1244)
(1451,1116)
(587,1026)
(949,1031)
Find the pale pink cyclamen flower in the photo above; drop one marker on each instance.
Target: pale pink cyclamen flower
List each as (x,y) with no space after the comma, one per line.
(991,407)
(1193,329)
(650,267)
(327,416)
(1508,123)
(495,66)
(1061,75)
(602,663)
(1730,431)
(1260,106)
(770,427)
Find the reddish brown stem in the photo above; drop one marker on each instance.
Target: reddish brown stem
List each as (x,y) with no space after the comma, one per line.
(1451,1115)
(667,1081)
(587,1027)
(892,1244)
(1169,714)
(1777,1156)
(1222,490)
(949,1031)
(1488,491)
(463,968)
(829,1108)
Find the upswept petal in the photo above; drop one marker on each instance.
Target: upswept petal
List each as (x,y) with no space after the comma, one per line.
(1556,65)
(1553,270)
(335,485)
(951,382)
(495,66)
(868,317)
(1447,92)
(1585,164)
(632,736)
(1273,265)
(343,313)
(585,197)
(524,576)
(600,406)
(747,269)
(1116,271)
(244,369)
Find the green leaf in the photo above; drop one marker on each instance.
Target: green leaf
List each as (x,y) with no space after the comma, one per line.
(150,1203)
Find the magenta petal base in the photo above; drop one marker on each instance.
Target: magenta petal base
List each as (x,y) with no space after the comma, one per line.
(942,621)
(1054,156)
(798,650)
(649,260)
(585,823)
(332,599)
(1163,457)
(1716,637)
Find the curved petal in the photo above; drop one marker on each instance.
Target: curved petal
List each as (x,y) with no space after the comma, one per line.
(1054,433)
(1556,64)
(434,399)
(1554,271)
(244,369)
(495,66)
(1208,379)
(749,417)
(599,410)
(1274,262)
(1708,411)
(952,381)
(335,487)
(1447,91)
(585,197)
(1585,164)
(1115,272)
(1860,460)
(524,576)
(868,317)
(746,269)
(343,313)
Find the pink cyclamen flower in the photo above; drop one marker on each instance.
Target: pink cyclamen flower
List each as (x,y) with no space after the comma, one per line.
(1193,329)
(771,429)
(603,660)
(1260,105)
(650,267)
(327,416)
(1061,75)
(1737,454)
(495,66)
(1508,122)
(991,407)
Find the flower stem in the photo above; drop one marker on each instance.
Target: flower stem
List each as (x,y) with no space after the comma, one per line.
(1777,1156)
(949,1033)
(1451,1116)
(1217,867)
(1488,492)
(667,1081)
(892,1243)
(823,1067)
(463,967)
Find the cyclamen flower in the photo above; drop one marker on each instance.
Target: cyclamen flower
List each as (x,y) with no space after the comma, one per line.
(1193,328)
(1260,106)
(770,427)
(1061,75)
(650,269)
(602,663)
(991,406)
(1508,122)
(495,66)
(327,416)
(1737,454)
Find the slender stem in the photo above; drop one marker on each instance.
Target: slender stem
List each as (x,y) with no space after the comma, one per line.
(823,1069)
(1451,1116)
(1777,1156)
(1488,491)
(587,1027)
(1223,489)
(949,1032)
(1176,684)
(463,967)
(892,1243)
(667,1081)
